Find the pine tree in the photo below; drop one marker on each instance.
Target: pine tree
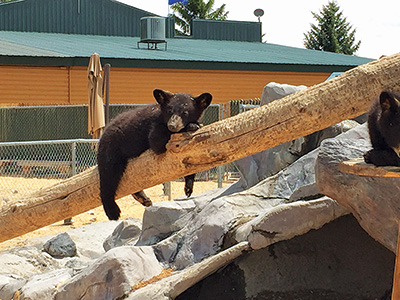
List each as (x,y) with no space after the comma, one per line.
(196,9)
(332,33)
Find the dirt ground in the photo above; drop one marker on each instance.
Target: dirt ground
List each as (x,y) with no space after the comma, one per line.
(12,188)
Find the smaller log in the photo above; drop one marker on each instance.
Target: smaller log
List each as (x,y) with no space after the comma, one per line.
(357,166)
(396,277)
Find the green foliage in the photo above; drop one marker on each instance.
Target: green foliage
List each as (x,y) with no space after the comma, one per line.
(332,33)
(196,9)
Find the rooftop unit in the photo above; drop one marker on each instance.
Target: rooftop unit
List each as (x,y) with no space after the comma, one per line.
(152,32)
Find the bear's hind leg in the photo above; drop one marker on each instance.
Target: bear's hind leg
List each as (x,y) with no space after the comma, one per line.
(142,198)
(189,182)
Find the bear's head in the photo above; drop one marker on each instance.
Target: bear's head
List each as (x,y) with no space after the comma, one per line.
(178,110)
(389,120)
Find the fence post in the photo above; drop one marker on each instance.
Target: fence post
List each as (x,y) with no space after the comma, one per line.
(68,221)
(167,189)
(73,158)
(222,112)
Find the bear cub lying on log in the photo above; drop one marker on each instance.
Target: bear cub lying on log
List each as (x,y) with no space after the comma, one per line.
(133,132)
(384,130)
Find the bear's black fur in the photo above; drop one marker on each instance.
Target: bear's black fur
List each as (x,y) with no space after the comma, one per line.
(133,132)
(384,130)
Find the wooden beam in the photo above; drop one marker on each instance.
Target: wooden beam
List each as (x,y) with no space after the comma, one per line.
(357,166)
(296,115)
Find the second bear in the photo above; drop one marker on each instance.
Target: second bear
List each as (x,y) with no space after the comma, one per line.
(384,130)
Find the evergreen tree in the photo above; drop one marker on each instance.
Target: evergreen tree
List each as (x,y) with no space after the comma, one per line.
(196,9)
(332,33)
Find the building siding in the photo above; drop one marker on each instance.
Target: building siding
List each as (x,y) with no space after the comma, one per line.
(100,17)
(68,85)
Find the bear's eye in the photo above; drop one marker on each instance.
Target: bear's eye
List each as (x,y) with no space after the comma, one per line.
(185,113)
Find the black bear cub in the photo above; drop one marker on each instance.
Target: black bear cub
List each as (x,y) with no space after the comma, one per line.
(133,132)
(384,130)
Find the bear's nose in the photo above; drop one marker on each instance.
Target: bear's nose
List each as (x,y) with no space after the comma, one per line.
(175,123)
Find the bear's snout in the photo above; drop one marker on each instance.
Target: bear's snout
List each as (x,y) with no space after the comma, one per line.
(175,123)
(397,150)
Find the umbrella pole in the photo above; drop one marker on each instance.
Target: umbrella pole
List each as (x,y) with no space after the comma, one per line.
(107,92)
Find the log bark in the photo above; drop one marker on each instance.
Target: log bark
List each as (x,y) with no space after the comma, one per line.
(296,115)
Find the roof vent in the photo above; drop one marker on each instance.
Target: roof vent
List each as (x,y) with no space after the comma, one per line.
(152,32)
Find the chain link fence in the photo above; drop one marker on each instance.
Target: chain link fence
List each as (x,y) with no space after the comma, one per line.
(42,145)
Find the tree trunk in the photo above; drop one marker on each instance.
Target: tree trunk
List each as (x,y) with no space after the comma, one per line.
(296,115)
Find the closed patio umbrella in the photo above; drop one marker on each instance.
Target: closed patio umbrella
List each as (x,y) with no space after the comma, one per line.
(96,121)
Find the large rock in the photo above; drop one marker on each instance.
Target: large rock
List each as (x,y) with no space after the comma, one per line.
(172,286)
(112,275)
(336,262)
(44,286)
(373,201)
(287,221)
(204,234)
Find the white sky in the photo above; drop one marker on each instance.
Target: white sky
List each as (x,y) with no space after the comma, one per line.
(377,23)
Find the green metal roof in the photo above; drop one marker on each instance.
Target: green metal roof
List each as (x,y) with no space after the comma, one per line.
(73,49)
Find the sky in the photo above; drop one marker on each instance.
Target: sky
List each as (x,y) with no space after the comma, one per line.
(377,23)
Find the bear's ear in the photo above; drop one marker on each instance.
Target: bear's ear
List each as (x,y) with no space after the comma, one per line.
(161,96)
(388,101)
(203,101)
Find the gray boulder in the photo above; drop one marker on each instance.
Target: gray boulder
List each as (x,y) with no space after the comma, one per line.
(273,91)
(60,246)
(204,234)
(163,219)
(112,275)
(44,286)
(26,261)
(373,201)
(126,233)
(287,221)
(9,284)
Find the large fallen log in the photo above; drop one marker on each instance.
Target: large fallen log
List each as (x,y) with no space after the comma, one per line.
(296,115)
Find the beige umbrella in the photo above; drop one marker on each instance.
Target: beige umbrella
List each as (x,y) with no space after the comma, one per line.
(96,120)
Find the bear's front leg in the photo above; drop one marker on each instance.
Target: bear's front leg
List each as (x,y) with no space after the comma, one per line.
(382,158)
(158,138)
(189,180)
